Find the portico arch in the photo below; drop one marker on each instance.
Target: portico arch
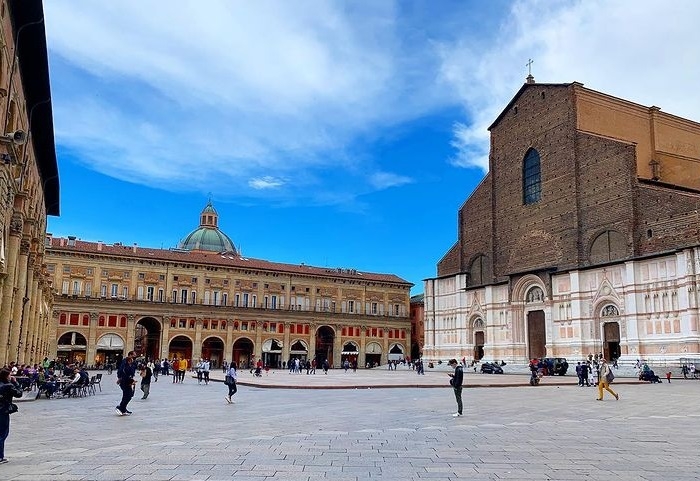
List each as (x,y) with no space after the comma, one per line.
(213,350)
(373,354)
(147,338)
(242,353)
(71,347)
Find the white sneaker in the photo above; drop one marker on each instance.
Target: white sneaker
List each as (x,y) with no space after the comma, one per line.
(456,415)
(119,413)
(228,399)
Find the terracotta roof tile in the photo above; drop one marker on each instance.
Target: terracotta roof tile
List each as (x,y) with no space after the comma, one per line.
(216,259)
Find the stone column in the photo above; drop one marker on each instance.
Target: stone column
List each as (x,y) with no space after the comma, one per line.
(228,341)
(285,348)
(37,299)
(197,346)
(19,301)
(337,346)
(312,341)
(165,338)
(361,358)
(385,347)
(28,313)
(9,286)
(91,351)
(258,341)
(130,333)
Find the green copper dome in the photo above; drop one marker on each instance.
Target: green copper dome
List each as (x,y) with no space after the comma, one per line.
(208,237)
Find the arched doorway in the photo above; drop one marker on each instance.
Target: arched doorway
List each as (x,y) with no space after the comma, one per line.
(350,352)
(242,353)
(479,341)
(147,338)
(611,332)
(396,353)
(110,349)
(373,354)
(213,349)
(71,347)
(325,337)
(180,347)
(272,353)
(536,335)
(298,350)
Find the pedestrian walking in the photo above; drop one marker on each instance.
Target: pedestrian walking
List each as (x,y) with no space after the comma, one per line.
(146,373)
(230,381)
(125,380)
(9,388)
(456,381)
(206,367)
(604,379)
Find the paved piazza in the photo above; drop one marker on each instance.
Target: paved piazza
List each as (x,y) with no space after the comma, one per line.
(188,432)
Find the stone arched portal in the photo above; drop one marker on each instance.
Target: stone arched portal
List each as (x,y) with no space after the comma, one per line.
(325,337)
(180,347)
(71,347)
(213,350)
(242,354)
(147,338)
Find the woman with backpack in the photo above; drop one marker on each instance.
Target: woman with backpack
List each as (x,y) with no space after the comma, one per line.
(605,378)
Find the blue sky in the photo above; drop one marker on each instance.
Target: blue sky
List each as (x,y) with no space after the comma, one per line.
(339,134)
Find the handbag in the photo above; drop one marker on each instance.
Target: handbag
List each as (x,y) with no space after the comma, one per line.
(610,377)
(229,380)
(10,408)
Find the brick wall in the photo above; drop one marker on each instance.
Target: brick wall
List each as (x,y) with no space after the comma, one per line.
(540,235)
(606,177)
(668,218)
(449,264)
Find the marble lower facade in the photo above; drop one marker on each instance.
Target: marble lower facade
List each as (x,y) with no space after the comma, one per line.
(639,309)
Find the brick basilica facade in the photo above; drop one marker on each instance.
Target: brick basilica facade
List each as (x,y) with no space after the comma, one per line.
(584,237)
(204,299)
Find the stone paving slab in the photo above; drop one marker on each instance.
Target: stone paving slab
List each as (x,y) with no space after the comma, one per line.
(187,432)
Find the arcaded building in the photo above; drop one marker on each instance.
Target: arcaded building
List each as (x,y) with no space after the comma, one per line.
(584,237)
(204,299)
(29,183)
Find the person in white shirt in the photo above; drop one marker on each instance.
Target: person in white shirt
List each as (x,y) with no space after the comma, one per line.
(206,366)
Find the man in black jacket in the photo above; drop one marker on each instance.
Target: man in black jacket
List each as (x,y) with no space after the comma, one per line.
(456,383)
(125,379)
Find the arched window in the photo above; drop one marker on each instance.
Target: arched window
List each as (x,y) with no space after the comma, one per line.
(608,246)
(532,185)
(479,271)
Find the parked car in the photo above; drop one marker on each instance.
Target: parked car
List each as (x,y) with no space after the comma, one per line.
(560,365)
(491,368)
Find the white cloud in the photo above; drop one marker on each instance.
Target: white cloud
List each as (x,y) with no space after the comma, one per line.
(384,180)
(150,92)
(292,90)
(266,182)
(641,50)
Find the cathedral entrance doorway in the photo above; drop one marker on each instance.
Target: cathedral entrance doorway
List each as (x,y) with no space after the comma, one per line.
(147,338)
(536,336)
(478,345)
(611,340)
(324,345)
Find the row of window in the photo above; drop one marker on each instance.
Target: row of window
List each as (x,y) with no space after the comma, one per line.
(176,278)
(219,298)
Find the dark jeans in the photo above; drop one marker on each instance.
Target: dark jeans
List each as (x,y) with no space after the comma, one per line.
(232,389)
(206,377)
(127,394)
(4,432)
(458,396)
